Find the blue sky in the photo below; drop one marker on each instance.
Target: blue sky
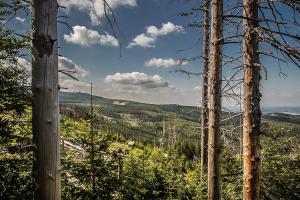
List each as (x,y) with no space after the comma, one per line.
(144,72)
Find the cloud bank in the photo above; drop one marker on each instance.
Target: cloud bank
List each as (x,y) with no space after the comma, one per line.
(95,8)
(149,38)
(139,79)
(64,64)
(87,37)
(69,66)
(77,71)
(163,62)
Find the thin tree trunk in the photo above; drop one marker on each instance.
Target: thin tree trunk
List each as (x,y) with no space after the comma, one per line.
(214,148)
(46,164)
(252,113)
(204,102)
(92,146)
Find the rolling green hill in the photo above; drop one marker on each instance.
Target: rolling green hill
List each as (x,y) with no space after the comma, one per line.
(155,111)
(190,113)
(142,122)
(151,123)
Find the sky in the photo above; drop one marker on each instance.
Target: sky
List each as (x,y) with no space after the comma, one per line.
(141,65)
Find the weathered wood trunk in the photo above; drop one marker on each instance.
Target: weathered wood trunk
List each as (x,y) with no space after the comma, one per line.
(252,113)
(46,164)
(214,146)
(204,101)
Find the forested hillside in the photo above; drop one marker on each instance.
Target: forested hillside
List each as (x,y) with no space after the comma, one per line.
(236,63)
(152,167)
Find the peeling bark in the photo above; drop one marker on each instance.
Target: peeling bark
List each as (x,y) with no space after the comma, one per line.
(214,137)
(204,102)
(252,113)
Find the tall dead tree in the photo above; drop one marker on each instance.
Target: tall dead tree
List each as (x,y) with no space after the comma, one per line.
(46,164)
(214,146)
(278,29)
(92,135)
(204,100)
(252,113)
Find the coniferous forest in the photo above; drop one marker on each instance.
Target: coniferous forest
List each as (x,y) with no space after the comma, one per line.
(64,134)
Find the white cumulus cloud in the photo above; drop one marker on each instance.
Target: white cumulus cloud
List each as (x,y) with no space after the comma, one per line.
(165,29)
(139,79)
(86,37)
(64,64)
(149,38)
(77,71)
(95,8)
(20,19)
(142,40)
(163,62)
(70,67)
(74,86)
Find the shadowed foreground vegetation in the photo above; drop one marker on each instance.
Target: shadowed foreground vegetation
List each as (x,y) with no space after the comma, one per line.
(142,170)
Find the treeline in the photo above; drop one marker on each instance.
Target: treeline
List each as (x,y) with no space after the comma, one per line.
(144,171)
(259,28)
(156,129)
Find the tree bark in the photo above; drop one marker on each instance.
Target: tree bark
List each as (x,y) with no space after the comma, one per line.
(204,101)
(252,113)
(214,148)
(46,164)
(93,146)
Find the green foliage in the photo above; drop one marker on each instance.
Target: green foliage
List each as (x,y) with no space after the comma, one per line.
(14,93)
(77,166)
(16,161)
(15,177)
(231,174)
(146,172)
(143,172)
(281,162)
(11,43)
(189,148)
(156,174)
(15,128)
(14,99)
(144,127)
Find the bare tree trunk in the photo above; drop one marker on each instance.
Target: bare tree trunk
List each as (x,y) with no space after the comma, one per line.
(252,113)
(214,148)
(204,101)
(46,164)
(92,146)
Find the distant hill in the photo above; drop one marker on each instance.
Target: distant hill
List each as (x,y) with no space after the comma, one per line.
(291,110)
(282,117)
(189,113)
(81,98)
